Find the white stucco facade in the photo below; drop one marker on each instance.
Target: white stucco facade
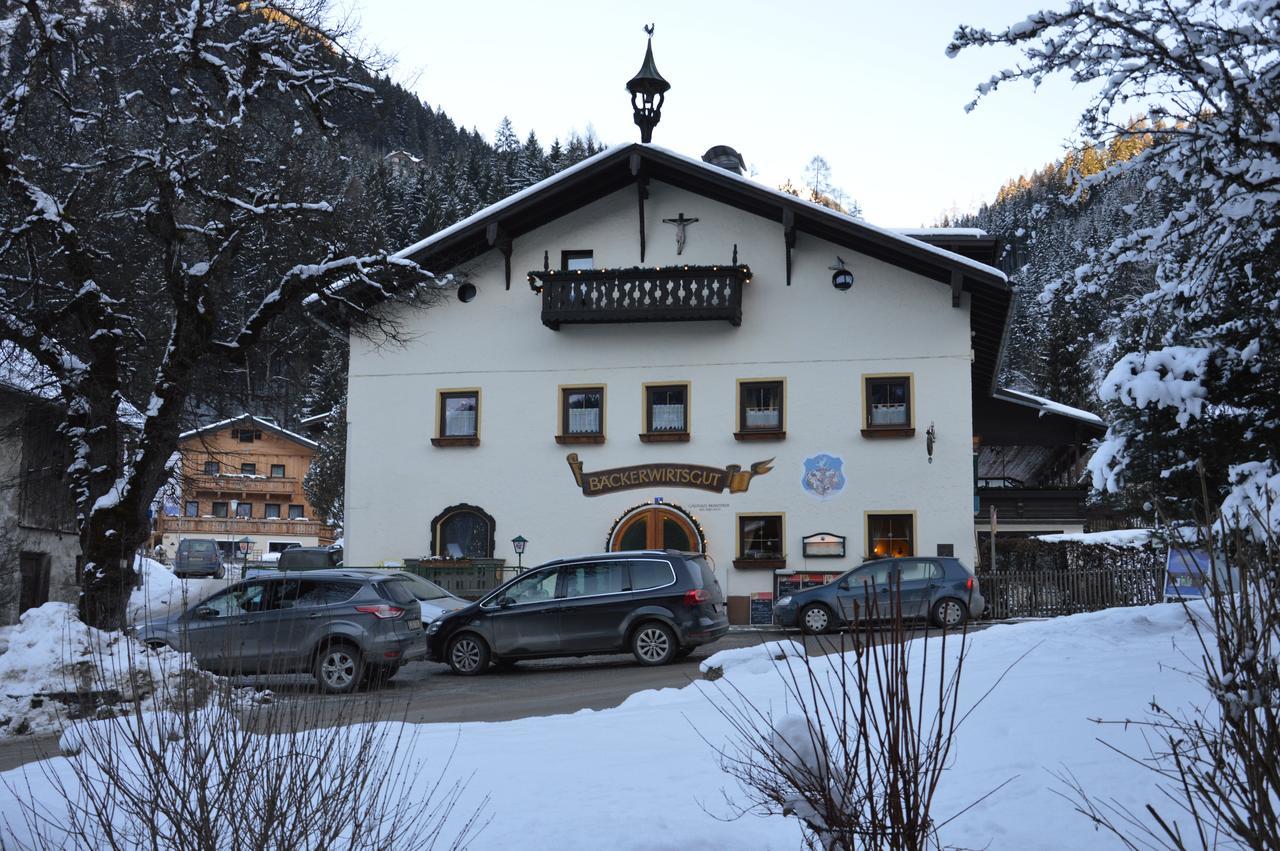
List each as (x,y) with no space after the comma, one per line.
(819,340)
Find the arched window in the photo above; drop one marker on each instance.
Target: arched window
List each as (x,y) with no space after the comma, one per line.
(462,531)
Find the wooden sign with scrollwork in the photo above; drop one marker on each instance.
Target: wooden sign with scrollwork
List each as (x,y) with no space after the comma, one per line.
(732,478)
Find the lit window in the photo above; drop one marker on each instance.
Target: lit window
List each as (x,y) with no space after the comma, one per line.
(760,536)
(890,535)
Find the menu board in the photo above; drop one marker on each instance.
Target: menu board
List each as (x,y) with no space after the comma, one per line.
(761,608)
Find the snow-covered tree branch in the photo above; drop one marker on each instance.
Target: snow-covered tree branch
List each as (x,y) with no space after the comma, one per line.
(169,201)
(1197,356)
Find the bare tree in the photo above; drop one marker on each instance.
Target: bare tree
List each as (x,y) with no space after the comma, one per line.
(145,148)
(861,752)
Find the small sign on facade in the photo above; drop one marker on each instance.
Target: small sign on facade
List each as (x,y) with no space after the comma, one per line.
(715,479)
(823,476)
(823,545)
(761,608)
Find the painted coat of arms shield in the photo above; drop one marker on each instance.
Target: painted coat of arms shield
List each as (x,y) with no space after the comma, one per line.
(823,475)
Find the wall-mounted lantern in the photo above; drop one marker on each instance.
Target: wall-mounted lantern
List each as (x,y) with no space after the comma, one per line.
(519,543)
(842,279)
(929,438)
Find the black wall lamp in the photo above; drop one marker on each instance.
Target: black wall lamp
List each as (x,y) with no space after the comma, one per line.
(842,278)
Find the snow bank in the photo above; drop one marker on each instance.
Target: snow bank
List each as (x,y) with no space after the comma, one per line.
(54,668)
(161,592)
(757,659)
(646,774)
(1114,538)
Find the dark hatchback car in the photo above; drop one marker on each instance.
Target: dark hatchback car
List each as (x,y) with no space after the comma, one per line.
(658,605)
(942,590)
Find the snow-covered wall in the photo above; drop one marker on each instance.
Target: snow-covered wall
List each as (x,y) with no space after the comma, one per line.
(820,340)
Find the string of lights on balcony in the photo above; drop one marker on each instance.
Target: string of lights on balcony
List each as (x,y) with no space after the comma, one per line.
(550,275)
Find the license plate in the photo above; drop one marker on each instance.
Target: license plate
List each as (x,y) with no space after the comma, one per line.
(415,624)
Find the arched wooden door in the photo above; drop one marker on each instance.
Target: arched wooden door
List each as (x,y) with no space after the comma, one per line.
(656,528)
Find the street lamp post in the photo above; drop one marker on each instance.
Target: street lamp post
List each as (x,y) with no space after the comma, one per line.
(233,506)
(519,543)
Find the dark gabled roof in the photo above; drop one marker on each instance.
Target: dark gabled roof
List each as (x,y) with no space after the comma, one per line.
(619,167)
(258,422)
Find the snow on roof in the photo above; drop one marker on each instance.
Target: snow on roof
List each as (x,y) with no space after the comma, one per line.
(20,371)
(265,423)
(411,157)
(967,233)
(1114,538)
(785,197)
(1048,406)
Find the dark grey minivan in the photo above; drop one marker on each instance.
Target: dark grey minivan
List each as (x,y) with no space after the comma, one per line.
(657,604)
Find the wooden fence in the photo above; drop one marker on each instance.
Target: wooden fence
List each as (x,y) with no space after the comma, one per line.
(1038,579)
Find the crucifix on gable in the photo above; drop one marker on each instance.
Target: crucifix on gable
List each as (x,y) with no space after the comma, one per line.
(681,223)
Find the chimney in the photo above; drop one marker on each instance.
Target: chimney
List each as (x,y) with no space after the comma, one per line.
(726,158)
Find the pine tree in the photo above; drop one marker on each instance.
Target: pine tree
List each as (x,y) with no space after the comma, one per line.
(324,483)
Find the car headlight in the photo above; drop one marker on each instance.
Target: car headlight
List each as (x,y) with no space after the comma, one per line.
(784,601)
(433,627)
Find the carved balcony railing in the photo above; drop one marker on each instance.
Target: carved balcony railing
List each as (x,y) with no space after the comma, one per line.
(663,294)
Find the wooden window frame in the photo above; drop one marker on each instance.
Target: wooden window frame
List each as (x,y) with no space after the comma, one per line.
(904,512)
(266,511)
(193,505)
(226,510)
(562,431)
(437,539)
(744,433)
(456,440)
(211,468)
(867,429)
(576,254)
(244,511)
(741,563)
(648,435)
(252,468)
(302,511)
(281,468)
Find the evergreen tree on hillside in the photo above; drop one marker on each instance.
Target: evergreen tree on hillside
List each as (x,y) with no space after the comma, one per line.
(324,483)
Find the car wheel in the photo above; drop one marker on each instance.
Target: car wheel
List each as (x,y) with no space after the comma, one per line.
(815,619)
(156,645)
(220,572)
(468,655)
(654,644)
(339,668)
(950,613)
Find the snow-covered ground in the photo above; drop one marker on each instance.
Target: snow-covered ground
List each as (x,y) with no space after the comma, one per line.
(645,775)
(50,652)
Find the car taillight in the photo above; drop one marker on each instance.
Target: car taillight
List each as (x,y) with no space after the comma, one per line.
(381,611)
(968,584)
(696,597)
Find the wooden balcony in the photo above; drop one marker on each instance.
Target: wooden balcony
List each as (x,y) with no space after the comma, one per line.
(237,526)
(231,484)
(663,294)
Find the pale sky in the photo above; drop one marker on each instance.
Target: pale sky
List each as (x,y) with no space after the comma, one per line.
(866,85)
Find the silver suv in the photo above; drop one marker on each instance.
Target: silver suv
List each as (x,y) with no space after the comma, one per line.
(346,628)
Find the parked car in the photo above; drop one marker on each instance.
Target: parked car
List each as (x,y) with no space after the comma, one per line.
(434,600)
(310,558)
(343,627)
(942,590)
(659,605)
(198,557)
